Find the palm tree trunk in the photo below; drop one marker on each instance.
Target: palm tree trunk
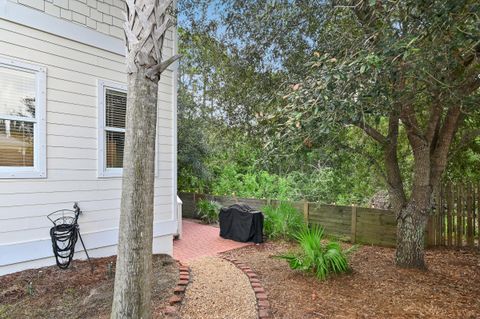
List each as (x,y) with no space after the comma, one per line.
(145,28)
(134,262)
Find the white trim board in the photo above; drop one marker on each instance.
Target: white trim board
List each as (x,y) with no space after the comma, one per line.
(31,250)
(175,131)
(35,19)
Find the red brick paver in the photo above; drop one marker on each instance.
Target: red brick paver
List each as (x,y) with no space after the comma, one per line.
(200,240)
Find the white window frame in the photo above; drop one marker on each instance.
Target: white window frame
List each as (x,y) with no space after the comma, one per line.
(102,87)
(39,169)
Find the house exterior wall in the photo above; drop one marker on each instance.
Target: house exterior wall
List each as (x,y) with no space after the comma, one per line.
(104,16)
(73,70)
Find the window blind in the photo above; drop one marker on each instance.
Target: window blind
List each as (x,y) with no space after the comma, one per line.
(115,108)
(115,112)
(17,117)
(17,93)
(115,145)
(16,143)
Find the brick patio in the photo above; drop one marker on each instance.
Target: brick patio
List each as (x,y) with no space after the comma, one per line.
(200,240)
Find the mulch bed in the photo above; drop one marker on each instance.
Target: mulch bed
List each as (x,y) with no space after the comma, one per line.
(77,292)
(374,289)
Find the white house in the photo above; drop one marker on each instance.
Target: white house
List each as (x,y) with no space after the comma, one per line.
(62,108)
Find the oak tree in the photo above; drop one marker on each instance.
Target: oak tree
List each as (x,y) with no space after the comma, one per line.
(392,68)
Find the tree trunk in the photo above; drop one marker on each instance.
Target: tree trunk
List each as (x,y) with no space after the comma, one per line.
(410,237)
(145,28)
(134,261)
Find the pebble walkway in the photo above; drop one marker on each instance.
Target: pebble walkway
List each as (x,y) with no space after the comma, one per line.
(218,290)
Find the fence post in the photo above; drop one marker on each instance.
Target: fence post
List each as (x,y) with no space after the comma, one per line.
(353,236)
(477,207)
(194,205)
(441,222)
(469,213)
(459,232)
(305,211)
(450,208)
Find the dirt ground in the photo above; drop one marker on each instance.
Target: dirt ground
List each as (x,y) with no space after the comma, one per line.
(374,289)
(76,292)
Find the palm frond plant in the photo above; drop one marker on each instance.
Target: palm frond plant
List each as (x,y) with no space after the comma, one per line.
(323,259)
(208,211)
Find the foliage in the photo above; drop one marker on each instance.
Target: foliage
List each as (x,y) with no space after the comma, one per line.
(323,259)
(252,184)
(208,211)
(384,69)
(411,66)
(225,93)
(193,148)
(283,221)
(310,132)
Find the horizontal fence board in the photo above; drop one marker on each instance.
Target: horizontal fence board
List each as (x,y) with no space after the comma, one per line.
(336,220)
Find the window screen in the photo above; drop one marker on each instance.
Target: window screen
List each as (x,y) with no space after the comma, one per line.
(17,117)
(115,111)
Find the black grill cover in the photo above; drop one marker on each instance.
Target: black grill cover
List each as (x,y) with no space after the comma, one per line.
(242,223)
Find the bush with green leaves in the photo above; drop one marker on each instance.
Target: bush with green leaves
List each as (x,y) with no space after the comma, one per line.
(282,222)
(208,211)
(323,259)
(251,182)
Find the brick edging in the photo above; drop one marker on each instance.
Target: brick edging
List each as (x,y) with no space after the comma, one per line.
(262,304)
(179,292)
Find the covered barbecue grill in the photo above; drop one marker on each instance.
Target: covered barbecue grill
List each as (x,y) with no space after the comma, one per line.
(241,222)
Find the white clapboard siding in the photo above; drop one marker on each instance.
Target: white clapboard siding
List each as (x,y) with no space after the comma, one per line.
(72,109)
(29,223)
(73,70)
(45,37)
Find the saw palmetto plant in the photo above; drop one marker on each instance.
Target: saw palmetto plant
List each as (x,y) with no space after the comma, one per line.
(321,258)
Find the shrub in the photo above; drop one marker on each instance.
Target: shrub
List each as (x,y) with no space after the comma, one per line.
(208,211)
(251,182)
(283,221)
(323,259)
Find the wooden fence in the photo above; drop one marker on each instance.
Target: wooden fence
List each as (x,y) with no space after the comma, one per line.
(455,223)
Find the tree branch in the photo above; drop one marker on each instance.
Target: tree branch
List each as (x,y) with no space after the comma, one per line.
(154,71)
(373,160)
(445,137)
(409,119)
(466,139)
(414,133)
(433,124)
(372,132)
(394,177)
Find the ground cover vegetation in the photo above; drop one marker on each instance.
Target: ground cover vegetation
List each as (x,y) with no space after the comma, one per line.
(323,258)
(336,99)
(314,253)
(208,211)
(282,222)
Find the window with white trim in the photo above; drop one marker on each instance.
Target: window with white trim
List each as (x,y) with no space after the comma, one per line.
(112,106)
(22,120)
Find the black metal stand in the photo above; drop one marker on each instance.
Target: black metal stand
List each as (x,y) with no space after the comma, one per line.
(64,234)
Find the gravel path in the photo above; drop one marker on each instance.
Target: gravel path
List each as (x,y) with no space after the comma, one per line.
(218,290)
